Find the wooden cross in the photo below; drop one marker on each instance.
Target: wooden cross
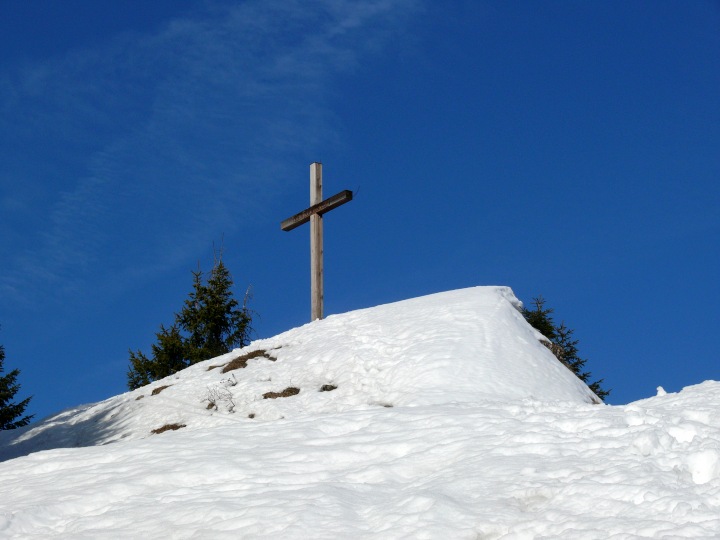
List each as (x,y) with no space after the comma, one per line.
(314,214)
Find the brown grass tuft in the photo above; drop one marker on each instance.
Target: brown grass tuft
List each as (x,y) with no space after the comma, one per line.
(168,427)
(328,388)
(289,391)
(242,360)
(159,389)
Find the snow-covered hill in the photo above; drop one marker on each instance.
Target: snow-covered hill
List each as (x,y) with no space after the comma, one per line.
(437,417)
(457,346)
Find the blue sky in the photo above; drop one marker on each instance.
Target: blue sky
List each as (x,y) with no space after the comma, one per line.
(566,149)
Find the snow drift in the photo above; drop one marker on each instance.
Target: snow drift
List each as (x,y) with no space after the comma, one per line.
(438,417)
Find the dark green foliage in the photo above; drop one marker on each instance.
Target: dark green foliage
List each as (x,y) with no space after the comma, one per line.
(561,343)
(169,352)
(540,318)
(168,357)
(210,323)
(140,371)
(190,317)
(11,413)
(212,318)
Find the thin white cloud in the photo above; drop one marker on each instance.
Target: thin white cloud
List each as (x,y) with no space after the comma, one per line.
(141,151)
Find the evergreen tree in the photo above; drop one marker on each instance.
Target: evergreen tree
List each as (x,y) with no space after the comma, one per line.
(169,353)
(569,351)
(214,320)
(168,357)
(11,413)
(210,323)
(540,318)
(140,371)
(561,343)
(190,318)
(599,390)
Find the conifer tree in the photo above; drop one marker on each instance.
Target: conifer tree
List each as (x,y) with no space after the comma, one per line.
(540,318)
(11,413)
(190,318)
(561,343)
(213,319)
(168,357)
(140,371)
(211,323)
(169,353)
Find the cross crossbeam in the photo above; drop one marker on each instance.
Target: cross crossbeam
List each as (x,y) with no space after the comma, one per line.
(314,214)
(321,208)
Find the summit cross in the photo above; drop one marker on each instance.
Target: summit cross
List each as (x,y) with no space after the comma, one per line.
(314,214)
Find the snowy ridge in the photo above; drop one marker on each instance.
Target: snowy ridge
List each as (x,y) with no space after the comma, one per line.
(439,417)
(457,346)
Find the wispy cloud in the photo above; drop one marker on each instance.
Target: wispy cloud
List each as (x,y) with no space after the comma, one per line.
(130,157)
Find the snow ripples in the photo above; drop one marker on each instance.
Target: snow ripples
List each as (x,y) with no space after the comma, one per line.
(484,470)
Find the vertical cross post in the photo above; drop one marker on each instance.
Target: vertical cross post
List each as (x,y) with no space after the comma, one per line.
(314,215)
(316,244)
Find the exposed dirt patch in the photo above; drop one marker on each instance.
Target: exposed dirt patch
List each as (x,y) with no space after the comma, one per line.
(289,391)
(159,389)
(139,397)
(242,360)
(328,388)
(213,367)
(251,415)
(168,427)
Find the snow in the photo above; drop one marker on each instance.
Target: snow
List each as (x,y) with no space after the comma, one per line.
(448,419)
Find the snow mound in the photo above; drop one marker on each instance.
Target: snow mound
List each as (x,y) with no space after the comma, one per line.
(438,417)
(461,346)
